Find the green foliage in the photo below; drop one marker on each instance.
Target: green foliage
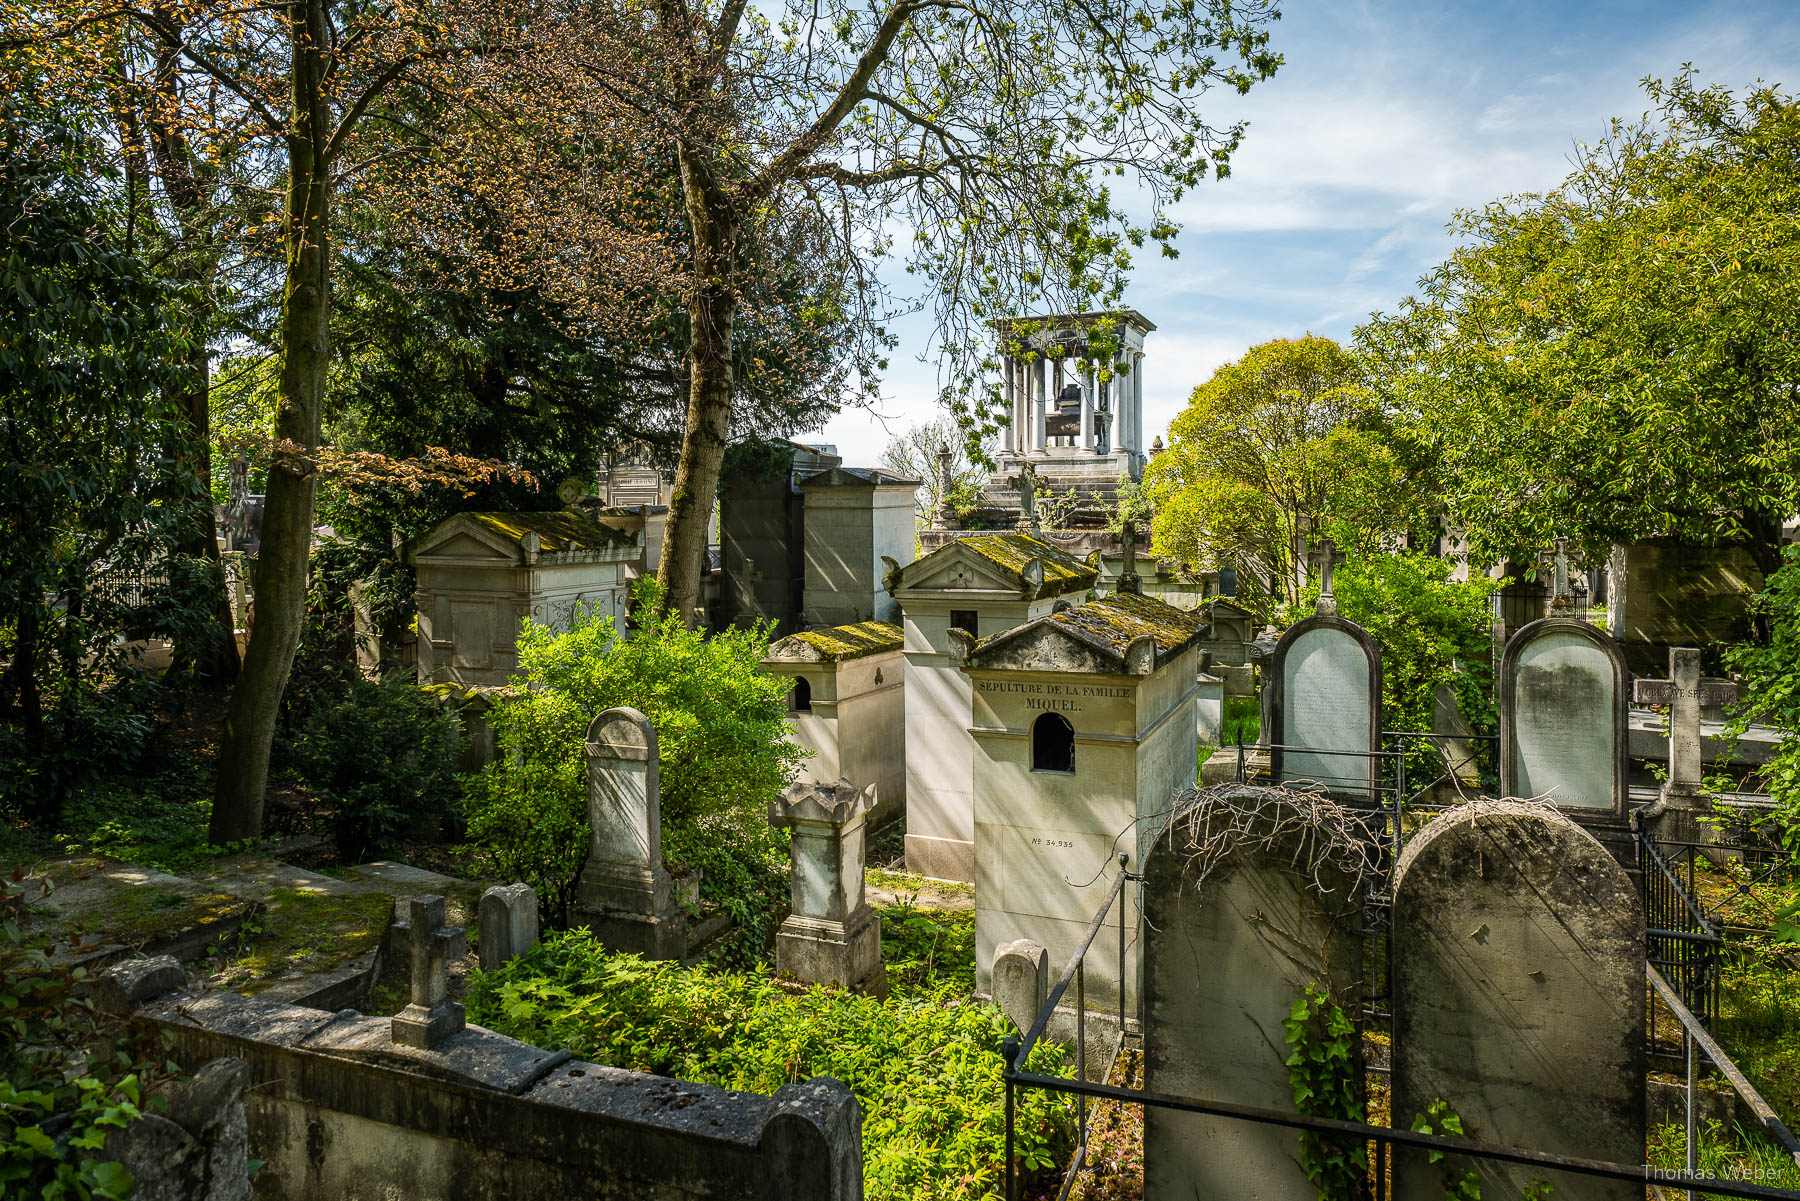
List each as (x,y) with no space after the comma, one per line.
(1283,442)
(1460,1184)
(928,951)
(720,728)
(926,1071)
(1324,1070)
(386,757)
(67,1076)
(1736,1154)
(1771,675)
(1432,631)
(90,446)
(1613,360)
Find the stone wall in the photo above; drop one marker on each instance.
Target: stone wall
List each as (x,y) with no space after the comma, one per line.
(339,1112)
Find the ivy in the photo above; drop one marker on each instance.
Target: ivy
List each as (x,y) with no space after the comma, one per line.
(1323,1070)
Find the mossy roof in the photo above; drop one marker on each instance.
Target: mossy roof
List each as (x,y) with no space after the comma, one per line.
(559,531)
(1112,623)
(1011,552)
(839,643)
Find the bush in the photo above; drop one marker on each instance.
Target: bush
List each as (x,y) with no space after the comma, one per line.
(927,1071)
(1771,672)
(1432,630)
(386,757)
(720,729)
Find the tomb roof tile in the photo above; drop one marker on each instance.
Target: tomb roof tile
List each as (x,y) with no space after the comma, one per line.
(839,642)
(1111,625)
(558,531)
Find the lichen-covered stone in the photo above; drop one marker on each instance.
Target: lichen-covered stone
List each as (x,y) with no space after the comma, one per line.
(556,532)
(838,643)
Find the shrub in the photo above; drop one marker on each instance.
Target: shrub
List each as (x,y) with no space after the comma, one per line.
(927,1071)
(1432,630)
(386,757)
(720,729)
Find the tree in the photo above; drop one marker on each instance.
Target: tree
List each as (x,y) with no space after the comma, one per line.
(1277,447)
(89,506)
(1617,358)
(915,453)
(987,132)
(299,80)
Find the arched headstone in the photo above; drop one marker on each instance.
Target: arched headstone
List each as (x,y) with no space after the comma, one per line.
(1250,895)
(625,895)
(1563,709)
(1518,989)
(1327,697)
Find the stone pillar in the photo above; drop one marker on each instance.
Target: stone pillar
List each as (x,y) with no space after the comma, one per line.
(1021,981)
(1518,978)
(625,894)
(1038,401)
(1137,403)
(1012,402)
(508,918)
(1684,725)
(946,514)
(1209,709)
(832,936)
(1087,413)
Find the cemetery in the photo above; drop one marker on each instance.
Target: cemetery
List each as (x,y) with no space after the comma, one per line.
(475,722)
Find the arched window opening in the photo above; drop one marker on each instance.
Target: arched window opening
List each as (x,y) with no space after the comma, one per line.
(1052,744)
(802,697)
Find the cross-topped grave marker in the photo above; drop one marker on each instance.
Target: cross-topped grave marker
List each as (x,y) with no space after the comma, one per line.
(1562,597)
(1325,557)
(433,1016)
(1129,580)
(1026,483)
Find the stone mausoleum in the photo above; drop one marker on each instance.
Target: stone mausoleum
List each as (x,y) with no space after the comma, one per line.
(1083,724)
(481,574)
(972,587)
(847,708)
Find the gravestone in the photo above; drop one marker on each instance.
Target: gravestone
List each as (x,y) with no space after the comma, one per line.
(1021,981)
(832,936)
(1518,981)
(508,917)
(1563,716)
(1209,708)
(1326,673)
(625,895)
(1250,895)
(432,1016)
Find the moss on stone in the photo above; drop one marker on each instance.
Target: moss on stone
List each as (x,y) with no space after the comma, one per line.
(1012,552)
(1124,617)
(556,532)
(304,932)
(845,642)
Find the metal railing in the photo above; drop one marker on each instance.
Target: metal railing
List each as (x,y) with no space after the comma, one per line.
(1680,941)
(1386,1139)
(1015,1050)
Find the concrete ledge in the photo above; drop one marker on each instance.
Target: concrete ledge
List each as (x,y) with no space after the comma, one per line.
(337,1111)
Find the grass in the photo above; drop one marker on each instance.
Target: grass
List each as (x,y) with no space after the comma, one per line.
(305,932)
(1743,1156)
(910,882)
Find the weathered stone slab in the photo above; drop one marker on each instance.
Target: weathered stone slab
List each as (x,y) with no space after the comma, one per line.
(508,924)
(1518,975)
(1021,980)
(1563,715)
(1327,698)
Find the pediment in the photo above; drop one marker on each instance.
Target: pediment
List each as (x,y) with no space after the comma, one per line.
(462,540)
(1043,646)
(955,569)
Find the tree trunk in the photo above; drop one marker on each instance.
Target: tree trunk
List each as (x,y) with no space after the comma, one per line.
(288,509)
(712,307)
(212,657)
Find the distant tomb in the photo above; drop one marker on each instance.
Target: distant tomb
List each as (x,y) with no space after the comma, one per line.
(1084,733)
(961,592)
(1563,717)
(854,518)
(480,575)
(847,709)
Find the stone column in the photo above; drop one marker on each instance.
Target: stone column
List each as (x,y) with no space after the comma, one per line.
(1012,403)
(1088,424)
(1137,401)
(832,936)
(1684,724)
(1038,403)
(625,894)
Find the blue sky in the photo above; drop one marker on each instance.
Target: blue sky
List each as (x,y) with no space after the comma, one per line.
(1388,115)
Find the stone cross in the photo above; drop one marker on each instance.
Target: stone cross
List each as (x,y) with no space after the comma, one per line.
(1026,483)
(945,515)
(1683,783)
(1129,580)
(1325,558)
(1562,599)
(433,1016)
